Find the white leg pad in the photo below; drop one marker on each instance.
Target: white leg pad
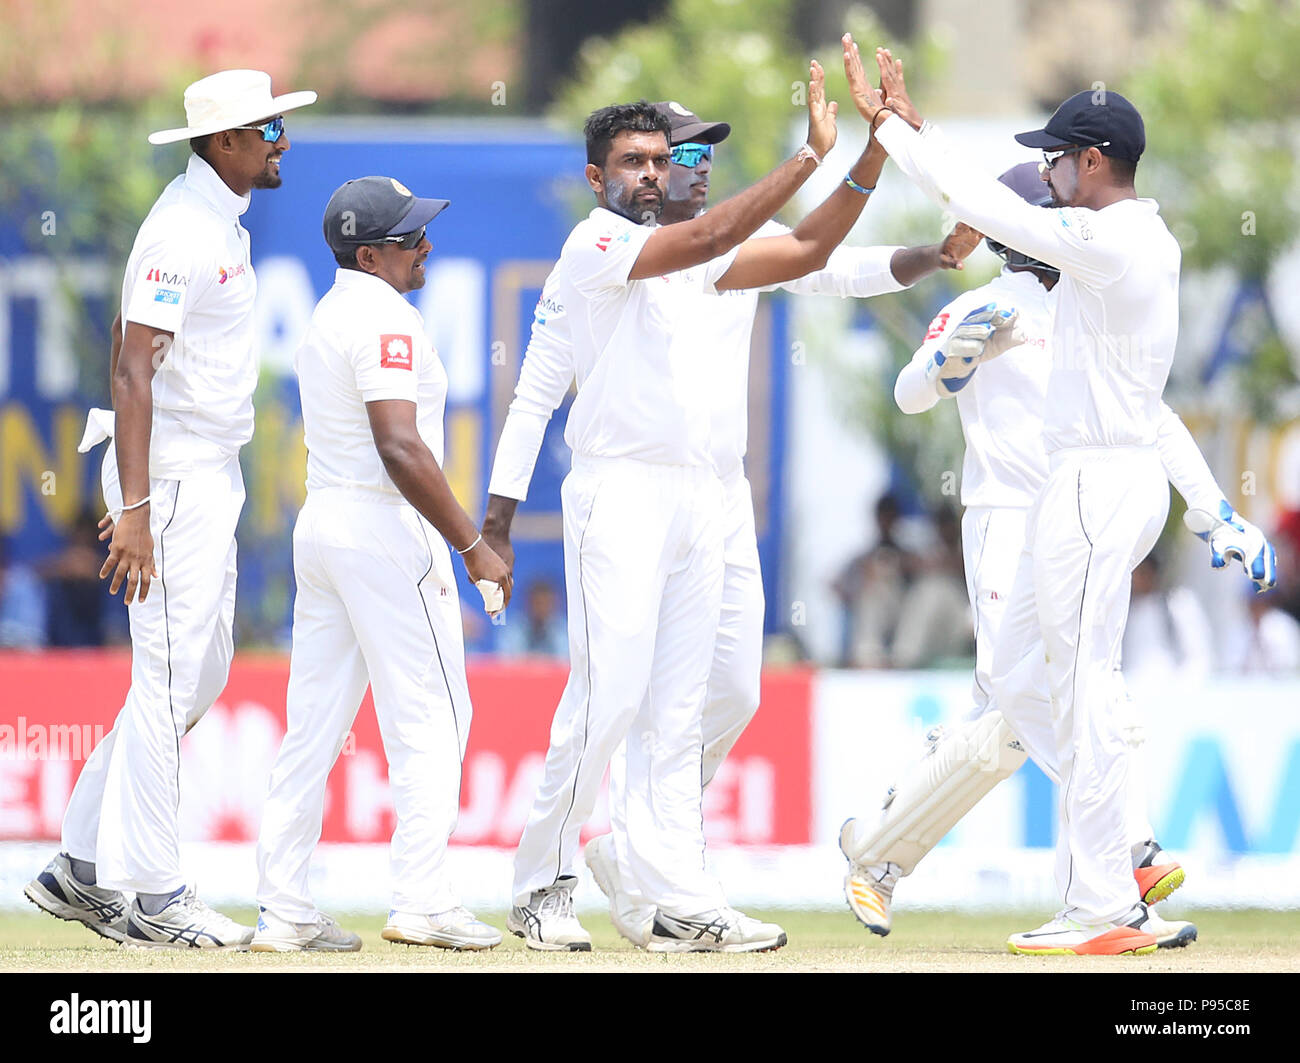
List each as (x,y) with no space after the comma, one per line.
(957,769)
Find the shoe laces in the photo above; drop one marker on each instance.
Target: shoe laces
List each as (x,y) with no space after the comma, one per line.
(556,901)
(459,914)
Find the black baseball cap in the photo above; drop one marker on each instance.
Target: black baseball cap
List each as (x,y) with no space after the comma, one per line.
(1101,119)
(690,128)
(367,209)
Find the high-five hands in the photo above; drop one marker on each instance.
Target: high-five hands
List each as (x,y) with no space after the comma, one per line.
(892,94)
(821,115)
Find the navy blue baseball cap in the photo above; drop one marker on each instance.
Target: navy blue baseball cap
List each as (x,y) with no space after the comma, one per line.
(1098,119)
(367,209)
(690,128)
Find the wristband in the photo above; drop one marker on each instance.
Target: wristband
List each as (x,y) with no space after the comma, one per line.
(882,110)
(806,152)
(136,505)
(471,545)
(848,180)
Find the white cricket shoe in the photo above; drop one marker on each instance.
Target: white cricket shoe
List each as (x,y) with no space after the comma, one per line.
(870,891)
(547,922)
(57,891)
(719,930)
(186,923)
(456,929)
(322,934)
(630,919)
(1063,936)
(1169,933)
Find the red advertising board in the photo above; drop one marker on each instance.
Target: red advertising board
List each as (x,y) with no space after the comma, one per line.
(57,705)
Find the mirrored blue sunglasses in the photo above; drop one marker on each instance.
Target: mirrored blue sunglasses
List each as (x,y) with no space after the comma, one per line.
(689,155)
(271,131)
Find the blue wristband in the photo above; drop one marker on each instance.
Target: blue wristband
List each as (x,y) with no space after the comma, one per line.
(848,180)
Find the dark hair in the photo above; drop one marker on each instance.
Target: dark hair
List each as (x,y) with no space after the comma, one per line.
(1122,171)
(347,258)
(200,145)
(603,125)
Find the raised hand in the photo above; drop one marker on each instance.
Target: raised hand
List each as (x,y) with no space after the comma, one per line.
(866,98)
(821,115)
(895,89)
(958,245)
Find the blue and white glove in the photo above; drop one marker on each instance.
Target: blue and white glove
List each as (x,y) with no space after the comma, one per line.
(1232,537)
(982,335)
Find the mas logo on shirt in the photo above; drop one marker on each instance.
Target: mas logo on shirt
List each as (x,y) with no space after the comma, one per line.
(394,351)
(936,327)
(161,276)
(167,295)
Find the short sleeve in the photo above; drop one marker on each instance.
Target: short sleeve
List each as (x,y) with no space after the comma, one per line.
(166,276)
(383,359)
(600,253)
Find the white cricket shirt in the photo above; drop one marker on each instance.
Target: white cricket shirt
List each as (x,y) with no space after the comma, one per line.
(1116,302)
(189,272)
(642,387)
(717,324)
(365,343)
(1001,407)
(720,324)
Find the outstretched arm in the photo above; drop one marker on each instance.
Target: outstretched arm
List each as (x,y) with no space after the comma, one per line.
(1065,237)
(690,243)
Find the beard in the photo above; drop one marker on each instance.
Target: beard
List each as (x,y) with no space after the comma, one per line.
(620,200)
(267,179)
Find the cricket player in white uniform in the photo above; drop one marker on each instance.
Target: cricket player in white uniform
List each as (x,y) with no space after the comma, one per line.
(377,600)
(1001,411)
(642,515)
(1105,500)
(183,373)
(720,326)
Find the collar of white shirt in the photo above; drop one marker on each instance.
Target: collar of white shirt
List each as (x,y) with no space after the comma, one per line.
(201,178)
(367,284)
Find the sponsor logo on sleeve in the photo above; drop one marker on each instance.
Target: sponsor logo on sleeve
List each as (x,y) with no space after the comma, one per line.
(167,295)
(602,241)
(225,274)
(394,351)
(936,327)
(161,276)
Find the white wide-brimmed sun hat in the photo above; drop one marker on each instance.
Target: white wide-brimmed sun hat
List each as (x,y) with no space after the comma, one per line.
(228,99)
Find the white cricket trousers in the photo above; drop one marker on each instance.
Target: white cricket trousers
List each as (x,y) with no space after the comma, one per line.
(376,603)
(122,814)
(993,540)
(732,695)
(643,572)
(1097,516)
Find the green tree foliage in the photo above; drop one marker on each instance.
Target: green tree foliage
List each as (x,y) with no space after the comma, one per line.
(1220,101)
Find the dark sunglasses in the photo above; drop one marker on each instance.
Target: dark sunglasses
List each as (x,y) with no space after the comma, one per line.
(404,242)
(1051,158)
(689,155)
(271,131)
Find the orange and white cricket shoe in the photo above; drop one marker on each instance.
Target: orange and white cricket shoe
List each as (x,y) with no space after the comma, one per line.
(1158,874)
(1065,937)
(869,891)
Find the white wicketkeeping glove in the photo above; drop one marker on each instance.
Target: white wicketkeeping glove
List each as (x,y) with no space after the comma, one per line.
(982,335)
(1232,537)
